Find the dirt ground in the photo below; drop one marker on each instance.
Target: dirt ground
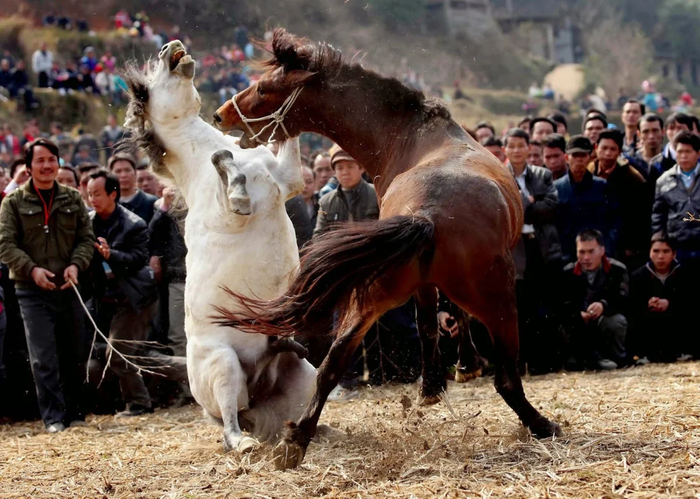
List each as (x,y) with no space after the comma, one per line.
(628,433)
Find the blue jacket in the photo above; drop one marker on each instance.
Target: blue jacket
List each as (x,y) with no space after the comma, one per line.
(584,205)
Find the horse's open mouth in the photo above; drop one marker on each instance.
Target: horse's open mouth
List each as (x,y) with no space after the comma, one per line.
(175,59)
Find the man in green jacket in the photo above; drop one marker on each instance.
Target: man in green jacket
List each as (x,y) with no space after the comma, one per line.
(46,239)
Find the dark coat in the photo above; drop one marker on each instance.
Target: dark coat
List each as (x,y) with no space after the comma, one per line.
(627,189)
(543,212)
(127,236)
(661,163)
(584,205)
(167,243)
(645,284)
(296,210)
(342,206)
(672,204)
(611,288)
(142,205)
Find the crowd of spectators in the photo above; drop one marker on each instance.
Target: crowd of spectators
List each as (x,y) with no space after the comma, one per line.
(609,252)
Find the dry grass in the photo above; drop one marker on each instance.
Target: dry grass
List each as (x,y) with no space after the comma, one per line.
(629,433)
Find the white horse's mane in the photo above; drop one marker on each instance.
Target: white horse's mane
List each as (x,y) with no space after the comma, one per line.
(142,136)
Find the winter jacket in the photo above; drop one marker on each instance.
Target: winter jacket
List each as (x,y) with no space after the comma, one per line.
(627,188)
(645,284)
(342,206)
(127,236)
(584,205)
(542,213)
(610,288)
(141,204)
(672,204)
(167,243)
(661,163)
(296,211)
(25,244)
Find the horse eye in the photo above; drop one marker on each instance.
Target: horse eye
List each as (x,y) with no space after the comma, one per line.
(260,91)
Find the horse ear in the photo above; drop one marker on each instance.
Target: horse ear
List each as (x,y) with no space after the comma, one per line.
(291,52)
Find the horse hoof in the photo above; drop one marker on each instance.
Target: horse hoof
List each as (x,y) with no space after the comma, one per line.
(288,454)
(428,400)
(465,377)
(247,444)
(545,429)
(240,444)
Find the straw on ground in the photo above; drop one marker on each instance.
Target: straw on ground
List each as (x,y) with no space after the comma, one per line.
(628,433)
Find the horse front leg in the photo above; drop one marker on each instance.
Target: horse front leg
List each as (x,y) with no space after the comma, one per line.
(217,374)
(290,451)
(434,381)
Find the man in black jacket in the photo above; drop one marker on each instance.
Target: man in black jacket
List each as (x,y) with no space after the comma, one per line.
(660,297)
(124,291)
(123,166)
(595,291)
(538,255)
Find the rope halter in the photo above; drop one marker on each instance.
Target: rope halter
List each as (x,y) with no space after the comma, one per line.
(277,118)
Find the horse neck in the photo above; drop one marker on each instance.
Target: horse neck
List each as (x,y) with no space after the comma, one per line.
(184,141)
(384,144)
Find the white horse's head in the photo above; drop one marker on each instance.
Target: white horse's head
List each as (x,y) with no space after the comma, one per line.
(160,94)
(165,90)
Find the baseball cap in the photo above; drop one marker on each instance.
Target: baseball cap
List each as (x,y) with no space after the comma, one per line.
(579,143)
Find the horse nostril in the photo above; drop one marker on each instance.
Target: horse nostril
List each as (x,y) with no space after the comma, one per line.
(217,118)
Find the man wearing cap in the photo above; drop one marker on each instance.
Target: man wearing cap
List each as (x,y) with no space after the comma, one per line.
(132,198)
(353,200)
(583,203)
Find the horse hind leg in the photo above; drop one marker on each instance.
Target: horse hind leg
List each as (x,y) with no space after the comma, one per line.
(434,382)
(493,302)
(470,363)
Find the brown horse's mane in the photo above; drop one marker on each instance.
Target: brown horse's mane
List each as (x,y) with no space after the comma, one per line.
(297,53)
(141,135)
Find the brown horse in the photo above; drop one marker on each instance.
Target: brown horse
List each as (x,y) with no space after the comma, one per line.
(450,214)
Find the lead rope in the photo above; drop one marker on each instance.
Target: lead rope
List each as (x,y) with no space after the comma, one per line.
(139,369)
(277,118)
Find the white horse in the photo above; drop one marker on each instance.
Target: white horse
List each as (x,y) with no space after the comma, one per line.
(239,236)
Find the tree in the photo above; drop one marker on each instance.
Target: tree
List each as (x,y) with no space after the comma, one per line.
(619,57)
(678,27)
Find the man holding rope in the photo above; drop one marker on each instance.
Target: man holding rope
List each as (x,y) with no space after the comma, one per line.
(46,239)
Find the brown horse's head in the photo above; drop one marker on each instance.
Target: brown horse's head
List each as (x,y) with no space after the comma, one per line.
(295,63)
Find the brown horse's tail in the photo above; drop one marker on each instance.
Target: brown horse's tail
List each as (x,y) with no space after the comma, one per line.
(336,267)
